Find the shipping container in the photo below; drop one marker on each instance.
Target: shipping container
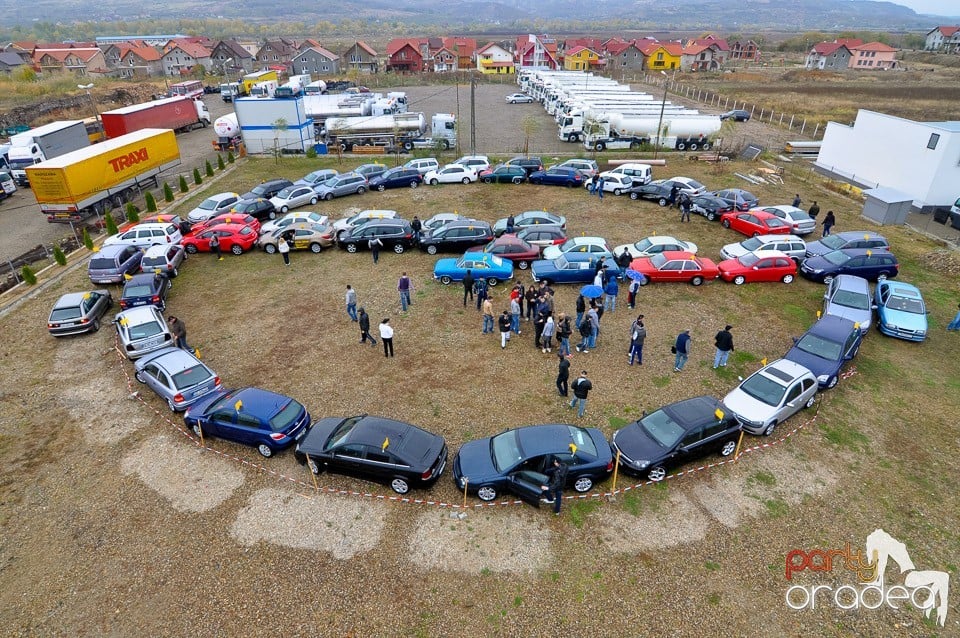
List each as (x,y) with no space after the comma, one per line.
(177,113)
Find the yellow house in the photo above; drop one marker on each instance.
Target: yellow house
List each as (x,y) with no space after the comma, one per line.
(662,56)
(494,60)
(580,59)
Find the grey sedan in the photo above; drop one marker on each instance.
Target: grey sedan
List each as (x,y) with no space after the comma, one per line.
(78,312)
(178,377)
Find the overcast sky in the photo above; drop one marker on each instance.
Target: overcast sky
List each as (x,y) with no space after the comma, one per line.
(934,7)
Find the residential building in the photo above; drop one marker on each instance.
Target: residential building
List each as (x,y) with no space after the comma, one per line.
(277,54)
(663,56)
(494,59)
(231,58)
(879,150)
(828,56)
(404,55)
(140,62)
(464,48)
(581,59)
(361,57)
(719,53)
(10,61)
(873,55)
(181,56)
(943,39)
(536,51)
(624,56)
(746,51)
(23,48)
(445,61)
(700,57)
(79,60)
(316,61)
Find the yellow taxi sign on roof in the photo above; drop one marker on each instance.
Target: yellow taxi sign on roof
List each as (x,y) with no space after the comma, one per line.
(573,448)
(238,405)
(386,443)
(719,414)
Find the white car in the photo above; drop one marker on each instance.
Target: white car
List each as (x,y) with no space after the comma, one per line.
(451,174)
(686,185)
(294,196)
(655,245)
(146,234)
(441,219)
(423,165)
(612,183)
(303,217)
(346,223)
(141,330)
(478,163)
(518,98)
(791,245)
(577,245)
(771,395)
(213,206)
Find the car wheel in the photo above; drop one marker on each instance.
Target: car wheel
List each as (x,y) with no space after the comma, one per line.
(487,180)
(517,180)
(236,249)
(662,201)
(314,466)
(487,493)
(95,326)
(351,248)
(583,484)
(270,249)
(739,280)
(618,192)
(726,223)
(361,190)
(328,197)
(882,276)
(414,184)
(710,216)
(191,249)
(696,281)
(657,473)
(283,209)
(644,281)
(139,377)
(599,146)
(767,431)
(810,401)
(400,486)
(197,429)
(728,448)
(787,279)
(174,273)
(431,250)
(634,196)
(536,182)
(381,188)
(313,200)
(756,234)
(523,265)
(465,180)
(398,248)
(445,280)
(315,248)
(832,383)
(492,281)
(171,405)
(434,181)
(272,214)
(265,450)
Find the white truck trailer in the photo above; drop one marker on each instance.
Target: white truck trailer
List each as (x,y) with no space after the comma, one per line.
(397,130)
(44,143)
(679,132)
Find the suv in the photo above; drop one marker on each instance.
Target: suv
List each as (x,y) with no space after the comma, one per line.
(457,236)
(791,245)
(165,258)
(528,164)
(771,395)
(424,165)
(343,184)
(848,296)
(111,263)
(737,115)
(347,223)
(267,189)
(396,234)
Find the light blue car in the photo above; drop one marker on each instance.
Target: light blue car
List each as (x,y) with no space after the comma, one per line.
(901,312)
(481,266)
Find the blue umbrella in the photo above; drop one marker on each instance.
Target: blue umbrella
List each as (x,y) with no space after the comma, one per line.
(636,274)
(591,292)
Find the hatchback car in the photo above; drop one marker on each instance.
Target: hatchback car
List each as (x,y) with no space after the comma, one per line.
(758,266)
(111,263)
(771,395)
(515,461)
(294,197)
(686,185)
(542,236)
(146,234)
(615,183)
(258,208)
(142,330)
(738,198)
(484,266)
(597,246)
(376,449)
(369,171)
(798,219)
(318,177)
(304,217)
(260,418)
(848,296)
(791,245)
(165,259)
(754,222)
(529,164)
(529,219)
(234,238)
(343,184)
(654,192)
(709,206)
(477,162)
(177,376)
(394,234)
(675,434)
(451,174)
(423,165)
(869,264)
(558,176)
(228,218)
(518,98)
(457,236)
(847,239)
(145,289)
(587,167)
(267,189)
(399,177)
(675,266)
(78,312)
(344,224)
(521,253)
(655,245)
(737,115)
(300,236)
(826,347)
(504,175)
(213,205)
(900,311)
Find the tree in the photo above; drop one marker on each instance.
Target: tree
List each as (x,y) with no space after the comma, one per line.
(279,127)
(111,224)
(196,177)
(87,240)
(28,275)
(220,164)
(58,256)
(530,126)
(208,168)
(183,184)
(230,158)
(133,215)
(151,202)
(167,193)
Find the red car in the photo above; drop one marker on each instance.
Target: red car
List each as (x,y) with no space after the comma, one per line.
(762,265)
(236,218)
(755,222)
(511,247)
(674,265)
(236,238)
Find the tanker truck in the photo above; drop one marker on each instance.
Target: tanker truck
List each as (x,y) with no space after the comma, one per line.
(680,132)
(227,129)
(396,130)
(570,124)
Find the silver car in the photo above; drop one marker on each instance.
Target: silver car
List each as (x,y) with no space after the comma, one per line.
(78,312)
(848,296)
(343,184)
(166,258)
(142,330)
(800,221)
(771,395)
(178,377)
(791,245)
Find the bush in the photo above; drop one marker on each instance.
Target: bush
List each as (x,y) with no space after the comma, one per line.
(312,153)
(209,169)
(196,177)
(133,215)
(58,256)
(110,223)
(28,275)
(220,164)
(167,193)
(151,202)
(183,184)
(230,157)
(87,240)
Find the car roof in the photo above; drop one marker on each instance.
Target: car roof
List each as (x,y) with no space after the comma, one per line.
(584,239)
(832,326)
(902,287)
(766,238)
(785,370)
(695,412)
(159,249)
(762,254)
(112,250)
(858,234)
(551,228)
(141,314)
(171,359)
(678,254)
(260,400)
(551,438)
(466,222)
(374,429)
(71,299)
(222,196)
(857,252)
(143,276)
(787,208)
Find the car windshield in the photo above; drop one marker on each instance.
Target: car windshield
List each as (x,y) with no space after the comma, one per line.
(905,304)
(643,245)
(102,263)
(64,314)
(144,330)
(191,376)
(285,193)
(583,441)
(763,389)
(569,245)
(658,260)
(837,257)
(392,172)
(752,244)
(695,184)
(139,290)
(662,429)
(748,260)
(341,433)
(833,242)
(820,347)
(505,450)
(208,204)
(259,190)
(850,299)
(153,261)
(496,261)
(286,416)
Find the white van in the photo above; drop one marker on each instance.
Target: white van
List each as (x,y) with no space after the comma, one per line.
(639,173)
(147,234)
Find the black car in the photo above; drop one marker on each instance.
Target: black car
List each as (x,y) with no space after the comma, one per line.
(710,206)
(267,189)
(654,192)
(260,208)
(146,289)
(457,237)
(395,234)
(398,177)
(375,449)
(737,115)
(528,164)
(675,434)
(504,174)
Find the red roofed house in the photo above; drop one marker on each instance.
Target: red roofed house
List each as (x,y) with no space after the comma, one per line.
(536,51)
(404,55)
(139,62)
(873,55)
(23,48)
(444,61)
(662,56)
(360,56)
(80,60)
(182,55)
(747,51)
(945,39)
(719,47)
(700,57)
(624,56)
(493,59)
(465,48)
(581,59)
(832,56)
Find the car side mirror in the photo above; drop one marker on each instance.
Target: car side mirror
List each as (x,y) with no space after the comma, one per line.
(795,339)
(756,268)
(848,357)
(791,404)
(739,378)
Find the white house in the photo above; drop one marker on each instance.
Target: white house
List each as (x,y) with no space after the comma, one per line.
(946,39)
(917,158)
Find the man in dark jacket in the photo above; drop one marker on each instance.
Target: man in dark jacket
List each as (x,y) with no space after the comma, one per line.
(364,321)
(504,322)
(681,348)
(637,335)
(563,373)
(724,343)
(581,387)
(554,488)
(467,287)
(417,226)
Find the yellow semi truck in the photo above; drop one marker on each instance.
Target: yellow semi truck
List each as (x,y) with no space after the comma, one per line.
(92,180)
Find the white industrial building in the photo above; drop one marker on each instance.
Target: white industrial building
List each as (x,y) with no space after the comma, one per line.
(919,159)
(269,125)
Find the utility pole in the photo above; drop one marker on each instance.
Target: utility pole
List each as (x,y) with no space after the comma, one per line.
(473,114)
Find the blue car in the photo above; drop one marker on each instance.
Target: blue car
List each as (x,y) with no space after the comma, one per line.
(146,289)
(871,264)
(826,347)
(481,266)
(558,176)
(398,177)
(265,420)
(571,268)
(901,312)
(515,461)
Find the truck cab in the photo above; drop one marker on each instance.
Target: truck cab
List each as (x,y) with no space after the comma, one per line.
(230,90)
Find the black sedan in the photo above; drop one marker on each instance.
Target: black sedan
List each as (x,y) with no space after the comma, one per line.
(675,434)
(654,192)
(78,312)
(376,449)
(710,206)
(260,208)
(516,461)
(504,174)
(398,177)
(146,289)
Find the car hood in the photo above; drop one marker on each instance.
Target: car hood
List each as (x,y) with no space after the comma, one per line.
(734,251)
(746,407)
(817,248)
(475,463)
(816,264)
(901,319)
(863,317)
(637,445)
(317,435)
(730,265)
